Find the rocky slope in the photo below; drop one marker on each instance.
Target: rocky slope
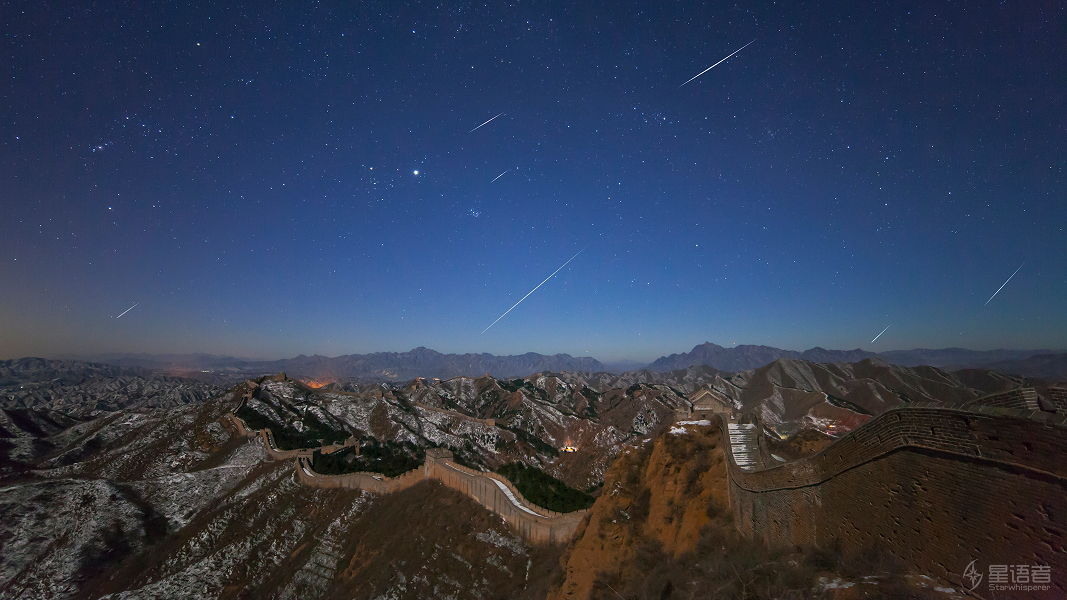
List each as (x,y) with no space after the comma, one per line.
(168,503)
(660,493)
(80,388)
(490,421)
(486,422)
(834,398)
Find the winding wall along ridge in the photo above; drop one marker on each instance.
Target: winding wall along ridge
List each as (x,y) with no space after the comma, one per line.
(937,486)
(533,523)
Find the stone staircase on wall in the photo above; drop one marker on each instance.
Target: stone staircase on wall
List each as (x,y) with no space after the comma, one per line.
(744,444)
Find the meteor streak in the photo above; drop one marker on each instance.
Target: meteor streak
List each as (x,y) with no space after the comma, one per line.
(535,289)
(499,176)
(1002,286)
(473,130)
(709,68)
(127,310)
(880,334)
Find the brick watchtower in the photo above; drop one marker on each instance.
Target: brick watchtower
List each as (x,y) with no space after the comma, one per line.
(432,456)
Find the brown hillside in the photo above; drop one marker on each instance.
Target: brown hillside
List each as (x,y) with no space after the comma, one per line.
(423,542)
(663,492)
(661,529)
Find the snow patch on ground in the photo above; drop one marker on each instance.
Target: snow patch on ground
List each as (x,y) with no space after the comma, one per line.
(495,538)
(836,583)
(679,427)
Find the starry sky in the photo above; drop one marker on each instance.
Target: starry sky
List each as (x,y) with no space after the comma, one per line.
(320,177)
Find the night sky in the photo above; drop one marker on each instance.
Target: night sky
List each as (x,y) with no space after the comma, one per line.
(304,178)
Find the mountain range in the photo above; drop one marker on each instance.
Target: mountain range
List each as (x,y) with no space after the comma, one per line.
(1051,365)
(424,362)
(376,366)
(113,481)
(81,389)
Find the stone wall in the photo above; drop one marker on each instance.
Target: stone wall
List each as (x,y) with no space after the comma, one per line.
(351,442)
(1020,398)
(936,486)
(371,482)
(1058,397)
(268,440)
(533,523)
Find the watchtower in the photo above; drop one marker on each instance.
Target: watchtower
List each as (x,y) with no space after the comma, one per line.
(433,455)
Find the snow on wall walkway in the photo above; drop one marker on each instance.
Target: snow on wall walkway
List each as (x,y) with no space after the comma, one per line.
(512,497)
(745,446)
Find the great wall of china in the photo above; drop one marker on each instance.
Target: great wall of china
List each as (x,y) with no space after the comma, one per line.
(938,486)
(533,523)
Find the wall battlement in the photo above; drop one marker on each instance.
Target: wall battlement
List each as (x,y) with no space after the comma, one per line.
(936,486)
(533,523)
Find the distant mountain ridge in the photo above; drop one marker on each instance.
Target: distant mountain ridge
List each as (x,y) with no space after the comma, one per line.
(1033,363)
(745,357)
(1044,366)
(424,362)
(960,357)
(379,366)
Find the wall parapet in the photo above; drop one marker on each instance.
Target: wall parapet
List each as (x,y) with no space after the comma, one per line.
(544,512)
(936,485)
(532,522)
(268,440)
(995,435)
(363,480)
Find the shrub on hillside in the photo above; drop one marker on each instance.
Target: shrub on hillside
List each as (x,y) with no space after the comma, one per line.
(539,445)
(315,433)
(544,490)
(390,459)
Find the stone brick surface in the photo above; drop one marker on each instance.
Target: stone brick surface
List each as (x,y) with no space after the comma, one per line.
(937,487)
(533,523)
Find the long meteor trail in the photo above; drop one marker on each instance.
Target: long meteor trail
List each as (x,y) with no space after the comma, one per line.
(1002,286)
(880,334)
(535,289)
(709,68)
(499,176)
(476,128)
(128,310)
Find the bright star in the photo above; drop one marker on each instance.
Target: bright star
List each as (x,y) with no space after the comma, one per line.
(416,172)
